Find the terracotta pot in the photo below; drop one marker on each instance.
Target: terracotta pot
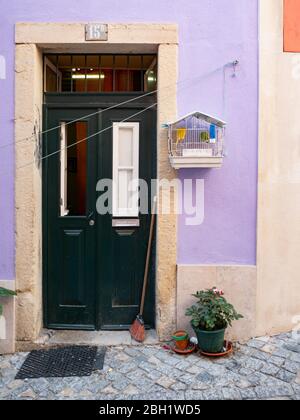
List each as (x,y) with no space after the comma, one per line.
(181,339)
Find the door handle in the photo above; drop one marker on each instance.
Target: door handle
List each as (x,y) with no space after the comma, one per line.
(90,219)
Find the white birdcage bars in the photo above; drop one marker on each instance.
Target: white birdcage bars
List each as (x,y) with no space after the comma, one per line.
(196,140)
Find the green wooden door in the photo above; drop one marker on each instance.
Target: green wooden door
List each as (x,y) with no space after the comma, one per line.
(93,267)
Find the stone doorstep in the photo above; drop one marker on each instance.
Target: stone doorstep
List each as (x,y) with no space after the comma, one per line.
(51,338)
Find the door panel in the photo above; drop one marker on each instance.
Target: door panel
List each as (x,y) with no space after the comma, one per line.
(73,275)
(71,241)
(125,293)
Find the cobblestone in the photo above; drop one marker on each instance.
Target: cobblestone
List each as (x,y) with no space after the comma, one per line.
(264,368)
(248,394)
(292,367)
(257,344)
(265,392)
(270,369)
(231,394)
(285,376)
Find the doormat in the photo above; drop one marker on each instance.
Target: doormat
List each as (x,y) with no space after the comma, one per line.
(62,362)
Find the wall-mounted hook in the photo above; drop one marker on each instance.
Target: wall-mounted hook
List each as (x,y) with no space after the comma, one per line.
(234,64)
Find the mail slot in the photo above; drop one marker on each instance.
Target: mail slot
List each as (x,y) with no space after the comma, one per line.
(118,223)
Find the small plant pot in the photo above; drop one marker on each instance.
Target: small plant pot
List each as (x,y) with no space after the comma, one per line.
(210,341)
(181,339)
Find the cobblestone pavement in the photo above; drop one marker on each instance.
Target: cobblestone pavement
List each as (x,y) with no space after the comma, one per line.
(265,368)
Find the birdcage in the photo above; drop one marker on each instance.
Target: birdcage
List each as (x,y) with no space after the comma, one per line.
(196,141)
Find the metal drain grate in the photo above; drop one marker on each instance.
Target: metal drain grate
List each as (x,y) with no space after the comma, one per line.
(62,362)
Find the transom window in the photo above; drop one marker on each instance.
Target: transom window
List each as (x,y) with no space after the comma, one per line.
(99,73)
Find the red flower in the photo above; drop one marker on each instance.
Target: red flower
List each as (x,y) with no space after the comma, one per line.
(218,292)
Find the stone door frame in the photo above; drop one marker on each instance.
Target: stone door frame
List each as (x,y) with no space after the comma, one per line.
(32,40)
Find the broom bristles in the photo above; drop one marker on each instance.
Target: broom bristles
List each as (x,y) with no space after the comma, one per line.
(137,330)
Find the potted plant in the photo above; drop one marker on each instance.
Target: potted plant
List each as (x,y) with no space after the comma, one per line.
(211,315)
(181,339)
(5,293)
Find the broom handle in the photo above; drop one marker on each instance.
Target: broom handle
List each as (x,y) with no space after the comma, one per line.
(148,257)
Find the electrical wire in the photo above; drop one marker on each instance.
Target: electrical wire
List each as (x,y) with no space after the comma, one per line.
(82,140)
(78,119)
(36,161)
(33,136)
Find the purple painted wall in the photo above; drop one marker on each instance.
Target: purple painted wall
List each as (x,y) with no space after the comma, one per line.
(228,233)
(212,33)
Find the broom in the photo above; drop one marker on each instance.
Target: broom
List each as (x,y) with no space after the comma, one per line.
(137,329)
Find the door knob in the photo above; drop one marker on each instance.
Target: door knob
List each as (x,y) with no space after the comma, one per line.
(90,219)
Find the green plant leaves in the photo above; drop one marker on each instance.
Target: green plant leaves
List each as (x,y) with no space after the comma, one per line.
(212,311)
(5,293)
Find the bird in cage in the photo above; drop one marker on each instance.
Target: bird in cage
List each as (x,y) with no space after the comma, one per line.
(181,133)
(204,136)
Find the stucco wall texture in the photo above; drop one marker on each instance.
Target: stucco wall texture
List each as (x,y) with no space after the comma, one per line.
(278,264)
(211,34)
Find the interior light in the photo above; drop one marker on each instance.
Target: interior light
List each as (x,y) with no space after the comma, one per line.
(88,76)
(78,76)
(151,77)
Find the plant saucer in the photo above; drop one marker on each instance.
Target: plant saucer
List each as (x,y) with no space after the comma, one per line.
(190,349)
(228,349)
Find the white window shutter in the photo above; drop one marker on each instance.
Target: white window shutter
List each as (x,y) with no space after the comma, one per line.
(125,169)
(63,171)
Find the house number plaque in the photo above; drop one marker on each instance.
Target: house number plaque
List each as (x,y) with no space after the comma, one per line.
(96,32)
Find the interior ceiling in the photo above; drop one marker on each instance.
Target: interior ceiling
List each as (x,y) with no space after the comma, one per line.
(91,48)
(107,61)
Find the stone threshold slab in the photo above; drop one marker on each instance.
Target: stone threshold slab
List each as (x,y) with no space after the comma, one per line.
(95,338)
